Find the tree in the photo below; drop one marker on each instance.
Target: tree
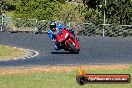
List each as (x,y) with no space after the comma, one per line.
(119,12)
(41,9)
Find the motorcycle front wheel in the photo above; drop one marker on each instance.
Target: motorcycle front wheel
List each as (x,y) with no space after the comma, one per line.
(72,48)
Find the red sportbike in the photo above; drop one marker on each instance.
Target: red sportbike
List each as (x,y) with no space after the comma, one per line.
(67,41)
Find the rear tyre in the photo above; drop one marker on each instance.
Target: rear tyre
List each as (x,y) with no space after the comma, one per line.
(72,48)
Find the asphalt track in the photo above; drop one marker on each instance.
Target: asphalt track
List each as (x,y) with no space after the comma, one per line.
(94,50)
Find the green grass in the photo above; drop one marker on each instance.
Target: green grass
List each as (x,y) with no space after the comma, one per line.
(57,80)
(7,52)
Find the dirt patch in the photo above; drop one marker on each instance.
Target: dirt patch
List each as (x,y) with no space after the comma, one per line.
(26,70)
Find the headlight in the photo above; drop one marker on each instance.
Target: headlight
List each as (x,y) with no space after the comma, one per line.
(66,35)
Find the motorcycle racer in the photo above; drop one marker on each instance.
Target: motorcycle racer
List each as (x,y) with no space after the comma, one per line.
(55,28)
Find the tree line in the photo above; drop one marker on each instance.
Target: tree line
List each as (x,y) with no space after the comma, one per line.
(117,11)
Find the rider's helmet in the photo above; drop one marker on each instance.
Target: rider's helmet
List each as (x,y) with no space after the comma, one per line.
(53,26)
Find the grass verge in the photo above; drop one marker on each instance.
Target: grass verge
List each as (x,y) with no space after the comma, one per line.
(58,79)
(7,52)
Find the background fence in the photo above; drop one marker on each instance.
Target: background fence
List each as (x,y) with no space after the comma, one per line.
(19,24)
(109,30)
(87,29)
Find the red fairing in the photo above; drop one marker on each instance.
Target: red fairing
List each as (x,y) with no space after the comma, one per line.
(67,37)
(62,36)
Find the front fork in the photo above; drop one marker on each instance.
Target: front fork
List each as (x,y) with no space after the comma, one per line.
(74,42)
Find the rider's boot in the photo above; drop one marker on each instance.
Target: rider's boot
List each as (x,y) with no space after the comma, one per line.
(56,47)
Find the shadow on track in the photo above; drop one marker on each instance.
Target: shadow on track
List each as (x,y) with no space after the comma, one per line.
(62,53)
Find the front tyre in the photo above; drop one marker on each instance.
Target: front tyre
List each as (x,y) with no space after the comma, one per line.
(72,48)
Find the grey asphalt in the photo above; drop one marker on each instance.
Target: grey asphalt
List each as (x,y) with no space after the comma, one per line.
(94,50)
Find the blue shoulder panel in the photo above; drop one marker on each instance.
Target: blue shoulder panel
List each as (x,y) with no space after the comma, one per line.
(50,34)
(59,26)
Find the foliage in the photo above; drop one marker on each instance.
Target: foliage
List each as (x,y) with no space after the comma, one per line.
(71,12)
(8,5)
(94,11)
(119,12)
(40,9)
